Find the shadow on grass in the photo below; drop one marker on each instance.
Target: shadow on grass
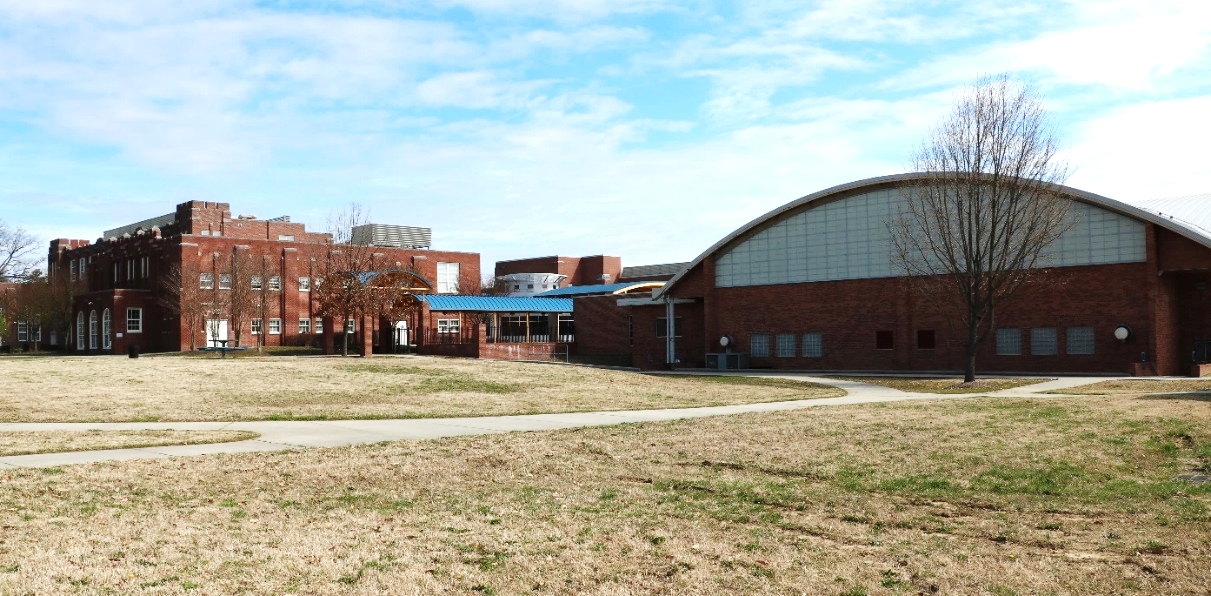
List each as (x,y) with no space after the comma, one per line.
(1189,396)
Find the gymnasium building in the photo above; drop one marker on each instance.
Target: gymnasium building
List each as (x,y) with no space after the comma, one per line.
(811,286)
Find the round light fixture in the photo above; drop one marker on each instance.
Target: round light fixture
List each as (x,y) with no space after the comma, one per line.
(725,341)
(1122,332)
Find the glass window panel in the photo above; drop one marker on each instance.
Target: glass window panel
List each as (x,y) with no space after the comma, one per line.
(786,345)
(1009,342)
(813,345)
(1043,341)
(1080,340)
(759,345)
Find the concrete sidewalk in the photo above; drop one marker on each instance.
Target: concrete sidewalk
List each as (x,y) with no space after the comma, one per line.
(284,435)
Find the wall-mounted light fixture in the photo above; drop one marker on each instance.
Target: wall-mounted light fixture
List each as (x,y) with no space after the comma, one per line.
(1122,333)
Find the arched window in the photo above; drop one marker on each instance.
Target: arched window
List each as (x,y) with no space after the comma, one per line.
(92,330)
(80,330)
(105,327)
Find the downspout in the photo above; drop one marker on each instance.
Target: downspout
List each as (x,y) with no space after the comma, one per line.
(670,324)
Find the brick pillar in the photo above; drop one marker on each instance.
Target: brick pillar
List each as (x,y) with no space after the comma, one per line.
(290,297)
(330,335)
(367,336)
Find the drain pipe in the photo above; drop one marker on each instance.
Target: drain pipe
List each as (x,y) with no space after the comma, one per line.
(670,325)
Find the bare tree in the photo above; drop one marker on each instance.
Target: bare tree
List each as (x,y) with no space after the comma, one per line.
(266,286)
(182,294)
(973,233)
(16,252)
(58,304)
(235,285)
(342,294)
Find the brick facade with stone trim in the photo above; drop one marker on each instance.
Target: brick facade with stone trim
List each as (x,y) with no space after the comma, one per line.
(126,272)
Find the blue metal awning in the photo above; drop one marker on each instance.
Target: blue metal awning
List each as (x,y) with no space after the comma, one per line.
(496,303)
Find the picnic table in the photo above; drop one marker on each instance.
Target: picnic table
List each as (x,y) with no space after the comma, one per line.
(222,349)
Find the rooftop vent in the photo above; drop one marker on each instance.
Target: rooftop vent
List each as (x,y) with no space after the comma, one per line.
(392,236)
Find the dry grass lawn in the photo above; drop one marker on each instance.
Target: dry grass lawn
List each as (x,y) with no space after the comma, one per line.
(1141,387)
(969,496)
(284,388)
(949,385)
(30,442)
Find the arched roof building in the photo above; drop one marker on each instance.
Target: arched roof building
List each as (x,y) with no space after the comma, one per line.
(812,285)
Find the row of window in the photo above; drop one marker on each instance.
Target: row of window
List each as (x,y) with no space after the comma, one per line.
(103,336)
(305,326)
(447,280)
(785,345)
(206,282)
(1043,342)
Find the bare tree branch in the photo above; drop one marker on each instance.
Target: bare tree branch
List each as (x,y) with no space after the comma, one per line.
(974,232)
(16,252)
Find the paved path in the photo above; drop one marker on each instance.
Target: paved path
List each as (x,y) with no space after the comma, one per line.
(282,435)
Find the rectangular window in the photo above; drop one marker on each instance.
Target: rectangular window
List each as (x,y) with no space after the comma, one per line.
(22,331)
(256,326)
(447,325)
(304,325)
(926,339)
(257,282)
(73,270)
(275,326)
(885,340)
(224,281)
(275,283)
(115,273)
(286,237)
(1044,342)
(1080,340)
(130,269)
(350,327)
(813,345)
(786,345)
(134,320)
(206,281)
(319,325)
(662,327)
(759,345)
(447,278)
(304,284)
(146,267)
(83,266)
(1009,342)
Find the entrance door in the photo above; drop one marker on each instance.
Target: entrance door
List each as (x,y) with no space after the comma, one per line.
(401,334)
(215,330)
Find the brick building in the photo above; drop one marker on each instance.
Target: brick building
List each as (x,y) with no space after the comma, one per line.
(121,300)
(810,286)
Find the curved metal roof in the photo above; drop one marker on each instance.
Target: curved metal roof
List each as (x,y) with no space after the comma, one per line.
(367,277)
(1187,229)
(1193,211)
(619,288)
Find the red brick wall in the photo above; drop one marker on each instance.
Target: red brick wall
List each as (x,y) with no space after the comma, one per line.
(601,326)
(580,271)
(849,313)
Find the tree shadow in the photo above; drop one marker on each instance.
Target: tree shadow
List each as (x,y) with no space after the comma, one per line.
(1188,395)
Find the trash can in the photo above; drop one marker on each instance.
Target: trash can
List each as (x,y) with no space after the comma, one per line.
(133,351)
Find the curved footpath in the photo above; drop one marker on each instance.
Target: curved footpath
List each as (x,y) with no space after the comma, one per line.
(283,435)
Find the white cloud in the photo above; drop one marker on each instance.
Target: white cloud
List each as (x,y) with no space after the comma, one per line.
(1145,151)
(1131,47)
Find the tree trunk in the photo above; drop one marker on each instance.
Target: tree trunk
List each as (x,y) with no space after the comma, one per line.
(344,341)
(969,361)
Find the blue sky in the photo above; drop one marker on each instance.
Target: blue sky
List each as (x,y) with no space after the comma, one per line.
(640,128)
